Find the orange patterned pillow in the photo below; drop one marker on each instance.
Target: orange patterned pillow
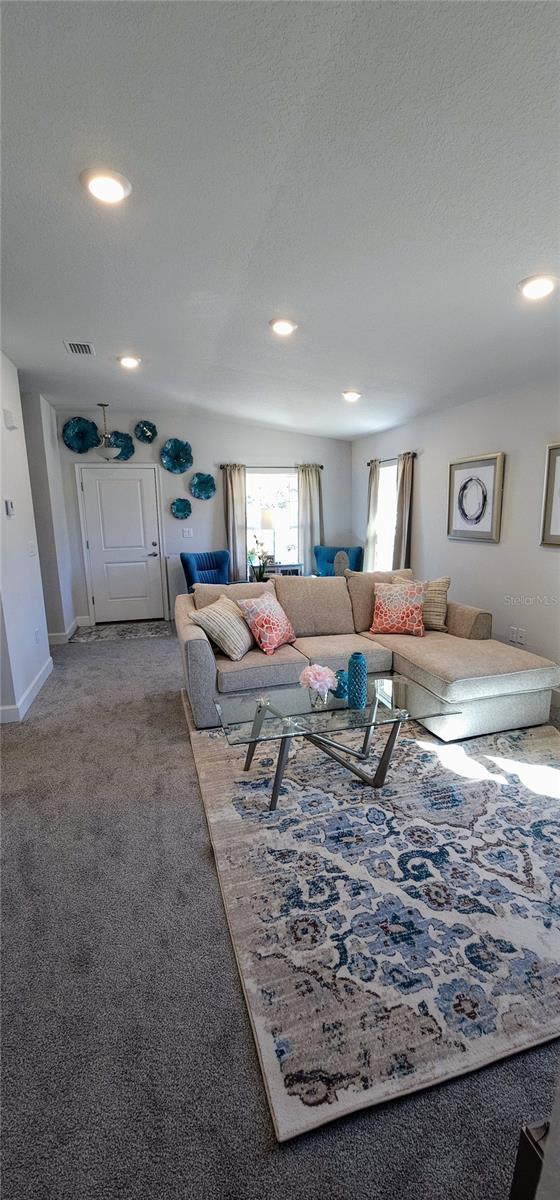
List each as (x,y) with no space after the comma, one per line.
(268,622)
(398,608)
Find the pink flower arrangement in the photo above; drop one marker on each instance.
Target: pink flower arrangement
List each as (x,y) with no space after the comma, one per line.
(319,679)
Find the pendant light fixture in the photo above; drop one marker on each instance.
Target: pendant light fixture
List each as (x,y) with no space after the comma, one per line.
(105,450)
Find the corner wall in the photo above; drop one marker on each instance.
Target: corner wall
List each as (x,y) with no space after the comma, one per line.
(26,661)
(518,580)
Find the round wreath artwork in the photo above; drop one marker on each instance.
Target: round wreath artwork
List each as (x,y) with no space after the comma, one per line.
(203,487)
(80,435)
(181,508)
(470,488)
(145,431)
(125,444)
(176,456)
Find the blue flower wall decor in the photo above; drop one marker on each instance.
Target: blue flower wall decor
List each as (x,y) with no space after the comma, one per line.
(125,444)
(203,487)
(181,508)
(145,431)
(176,456)
(80,435)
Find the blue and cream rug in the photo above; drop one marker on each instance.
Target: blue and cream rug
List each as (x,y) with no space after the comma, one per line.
(388,941)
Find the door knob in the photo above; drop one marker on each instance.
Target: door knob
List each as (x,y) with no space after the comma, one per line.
(154,554)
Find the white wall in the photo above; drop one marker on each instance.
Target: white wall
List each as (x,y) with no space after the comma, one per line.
(25,645)
(482,574)
(43,453)
(213,441)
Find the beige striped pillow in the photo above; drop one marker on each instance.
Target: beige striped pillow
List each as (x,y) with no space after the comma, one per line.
(223,623)
(434,609)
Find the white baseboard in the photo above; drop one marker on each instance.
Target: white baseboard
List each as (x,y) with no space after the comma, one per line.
(60,639)
(81,621)
(16,712)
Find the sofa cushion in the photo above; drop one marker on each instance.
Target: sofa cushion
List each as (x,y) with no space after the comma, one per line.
(258,670)
(361,589)
(434,608)
(398,607)
(207,593)
(334,650)
(267,621)
(315,605)
(224,625)
(462,669)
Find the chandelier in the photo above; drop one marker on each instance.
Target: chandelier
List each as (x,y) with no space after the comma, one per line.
(106,450)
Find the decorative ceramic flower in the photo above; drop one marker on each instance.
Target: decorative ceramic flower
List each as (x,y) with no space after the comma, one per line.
(203,487)
(176,456)
(318,679)
(145,431)
(125,444)
(80,435)
(181,508)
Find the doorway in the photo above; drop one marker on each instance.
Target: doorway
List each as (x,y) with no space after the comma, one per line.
(123,553)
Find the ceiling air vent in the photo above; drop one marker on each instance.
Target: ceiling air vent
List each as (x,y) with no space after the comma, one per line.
(81,349)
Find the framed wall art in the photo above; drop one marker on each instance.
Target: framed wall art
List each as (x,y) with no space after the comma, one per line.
(474,503)
(550,528)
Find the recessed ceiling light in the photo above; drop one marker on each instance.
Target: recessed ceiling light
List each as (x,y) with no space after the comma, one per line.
(536,287)
(130,362)
(282,326)
(351,396)
(107,186)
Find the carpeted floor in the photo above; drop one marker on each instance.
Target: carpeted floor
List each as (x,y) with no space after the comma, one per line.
(129,1066)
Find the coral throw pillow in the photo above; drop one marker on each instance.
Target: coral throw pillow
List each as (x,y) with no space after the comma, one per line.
(398,608)
(268,622)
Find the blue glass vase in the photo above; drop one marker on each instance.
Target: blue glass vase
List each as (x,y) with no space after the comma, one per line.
(340,692)
(357,681)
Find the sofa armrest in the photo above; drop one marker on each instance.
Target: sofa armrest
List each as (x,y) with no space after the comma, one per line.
(465,621)
(199,664)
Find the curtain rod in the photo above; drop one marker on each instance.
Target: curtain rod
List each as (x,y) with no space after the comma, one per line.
(274,468)
(392,459)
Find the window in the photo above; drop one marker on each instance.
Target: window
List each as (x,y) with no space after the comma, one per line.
(386,516)
(272,513)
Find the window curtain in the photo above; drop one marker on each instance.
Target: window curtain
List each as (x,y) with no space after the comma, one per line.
(235,511)
(371,527)
(403,525)
(310,505)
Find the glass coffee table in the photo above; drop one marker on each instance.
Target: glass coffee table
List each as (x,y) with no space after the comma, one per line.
(289,712)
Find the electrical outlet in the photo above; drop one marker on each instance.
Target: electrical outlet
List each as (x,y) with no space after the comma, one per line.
(521,637)
(187,532)
(513,633)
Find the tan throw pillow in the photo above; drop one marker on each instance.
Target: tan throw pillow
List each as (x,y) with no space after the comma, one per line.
(361,586)
(435,605)
(223,623)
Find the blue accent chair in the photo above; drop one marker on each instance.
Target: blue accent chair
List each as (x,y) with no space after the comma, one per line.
(212,567)
(324,557)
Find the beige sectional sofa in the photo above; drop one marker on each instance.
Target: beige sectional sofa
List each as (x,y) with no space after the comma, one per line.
(496,686)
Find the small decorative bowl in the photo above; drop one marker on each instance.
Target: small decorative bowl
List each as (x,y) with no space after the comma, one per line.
(181,508)
(125,444)
(80,435)
(176,456)
(145,431)
(203,487)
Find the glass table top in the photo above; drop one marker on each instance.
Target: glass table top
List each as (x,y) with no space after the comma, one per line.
(289,711)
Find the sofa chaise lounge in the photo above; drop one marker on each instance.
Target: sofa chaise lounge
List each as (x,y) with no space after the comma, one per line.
(496,686)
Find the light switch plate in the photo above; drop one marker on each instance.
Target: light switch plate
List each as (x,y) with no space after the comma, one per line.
(187,532)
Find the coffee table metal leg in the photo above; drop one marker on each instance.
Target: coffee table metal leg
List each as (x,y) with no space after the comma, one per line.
(280,768)
(255,731)
(366,744)
(380,774)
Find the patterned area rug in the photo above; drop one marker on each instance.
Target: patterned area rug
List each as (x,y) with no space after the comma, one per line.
(389,940)
(122,630)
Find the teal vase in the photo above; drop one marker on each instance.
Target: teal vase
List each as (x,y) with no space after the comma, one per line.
(357,681)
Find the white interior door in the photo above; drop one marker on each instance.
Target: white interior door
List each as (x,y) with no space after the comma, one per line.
(120,512)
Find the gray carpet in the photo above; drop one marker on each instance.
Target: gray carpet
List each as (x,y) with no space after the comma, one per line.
(129,1065)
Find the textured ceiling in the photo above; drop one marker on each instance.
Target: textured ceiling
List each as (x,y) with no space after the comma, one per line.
(384,173)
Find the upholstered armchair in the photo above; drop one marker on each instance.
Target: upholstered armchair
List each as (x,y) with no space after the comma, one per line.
(212,567)
(325,556)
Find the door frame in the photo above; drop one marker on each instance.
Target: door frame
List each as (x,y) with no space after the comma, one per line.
(154,470)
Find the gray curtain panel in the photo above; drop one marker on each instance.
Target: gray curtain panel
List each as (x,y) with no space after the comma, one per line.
(403,526)
(235,511)
(371,527)
(311,531)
